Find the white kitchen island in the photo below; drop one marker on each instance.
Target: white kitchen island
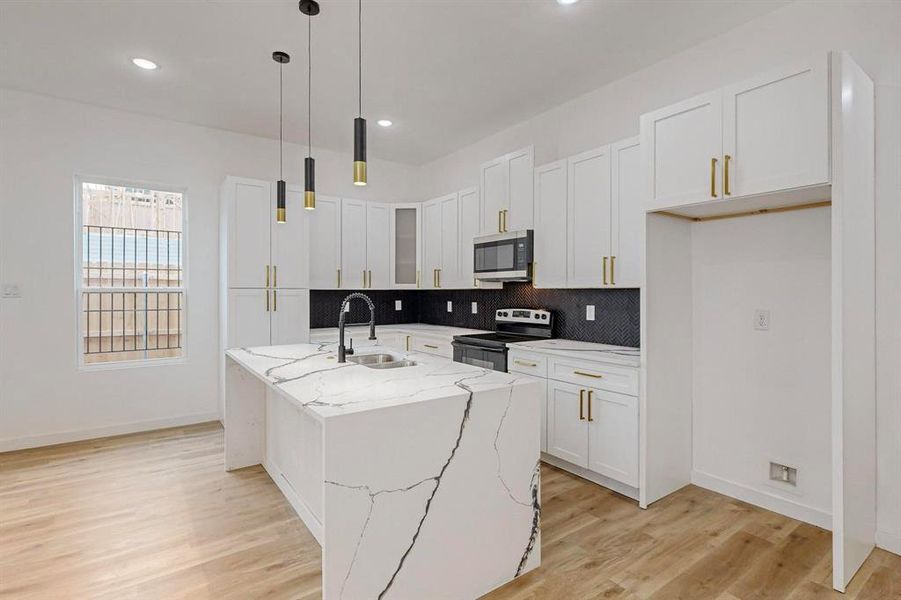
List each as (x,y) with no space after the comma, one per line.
(419,482)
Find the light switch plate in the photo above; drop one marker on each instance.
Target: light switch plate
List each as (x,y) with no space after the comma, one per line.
(450,306)
(589,312)
(398,305)
(475,308)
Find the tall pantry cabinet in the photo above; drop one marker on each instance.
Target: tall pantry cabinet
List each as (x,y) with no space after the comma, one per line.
(264,268)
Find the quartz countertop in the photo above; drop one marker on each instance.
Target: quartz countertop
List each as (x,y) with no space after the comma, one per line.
(311,375)
(620,355)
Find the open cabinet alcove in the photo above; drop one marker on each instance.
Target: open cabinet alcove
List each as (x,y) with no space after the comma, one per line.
(758,332)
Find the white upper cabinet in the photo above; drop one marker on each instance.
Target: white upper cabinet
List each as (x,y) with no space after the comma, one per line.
(377,245)
(440,234)
(507,194)
(549,267)
(246,209)
(431,242)
(776,130)
(353,244)
(627,214)
(764,135)
(588,216)
(469,216)
(290,255)
(325,243)
(449,269)
(494,186)
(520,206)
(683,148)
(405,237)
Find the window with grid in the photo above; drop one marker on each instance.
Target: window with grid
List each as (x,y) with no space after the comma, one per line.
(131,284)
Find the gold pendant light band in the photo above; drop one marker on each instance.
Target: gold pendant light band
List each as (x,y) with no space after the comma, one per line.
(359,172)
(309,200)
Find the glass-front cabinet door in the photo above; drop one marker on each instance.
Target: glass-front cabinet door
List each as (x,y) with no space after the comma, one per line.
(405,268)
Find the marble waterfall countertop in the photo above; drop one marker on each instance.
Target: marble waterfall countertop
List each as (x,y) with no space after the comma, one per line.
(619,355)
(419,481)
(311,375)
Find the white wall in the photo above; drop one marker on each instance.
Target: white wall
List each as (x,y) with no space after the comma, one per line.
(867,29)
(44,142)
(763,395)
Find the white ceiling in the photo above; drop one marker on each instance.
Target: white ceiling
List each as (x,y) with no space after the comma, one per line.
(447,72)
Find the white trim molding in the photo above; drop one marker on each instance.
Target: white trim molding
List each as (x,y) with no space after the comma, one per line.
(763,499)
(65,437)
(889,541)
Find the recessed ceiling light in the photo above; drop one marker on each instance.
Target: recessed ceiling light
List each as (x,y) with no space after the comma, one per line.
(145,63)
(384,122)
(566,2)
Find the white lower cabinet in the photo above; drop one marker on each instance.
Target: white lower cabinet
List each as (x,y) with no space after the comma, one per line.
(567,429)
(592,424)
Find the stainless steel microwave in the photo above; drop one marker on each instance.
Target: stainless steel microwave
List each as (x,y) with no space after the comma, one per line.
(503,256)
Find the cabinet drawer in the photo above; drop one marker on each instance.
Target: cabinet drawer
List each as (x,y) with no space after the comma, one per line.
(622,380)
(527,362)
(430,345)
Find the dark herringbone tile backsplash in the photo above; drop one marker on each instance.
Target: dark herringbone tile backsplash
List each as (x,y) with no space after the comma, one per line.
(616,311)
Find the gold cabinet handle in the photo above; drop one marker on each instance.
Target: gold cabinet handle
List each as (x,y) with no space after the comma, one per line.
(417,277)
(407,343)
(364,278)
(586,374)
(525,363)
(430,346)
(505,219)
(370,278)
(581,405)
(612,270)
(439,277)
(274,300)
(534,271)
(274,275)
(267,276)
(589,406)
(267,300)
(339,277)
(726,160)
(500,228)
(713,177)
(604,269)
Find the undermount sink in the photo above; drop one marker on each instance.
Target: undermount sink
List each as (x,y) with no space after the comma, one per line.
(380,361)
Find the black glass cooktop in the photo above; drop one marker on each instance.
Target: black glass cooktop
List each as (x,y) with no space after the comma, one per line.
(494,340)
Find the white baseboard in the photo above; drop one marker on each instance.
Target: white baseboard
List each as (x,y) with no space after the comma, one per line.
(612,484)
(300,507)
(51,439)
(783,506)
(889,541)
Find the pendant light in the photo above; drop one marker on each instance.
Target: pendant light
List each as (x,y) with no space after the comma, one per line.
(281,58)
(360,122)
(310,8)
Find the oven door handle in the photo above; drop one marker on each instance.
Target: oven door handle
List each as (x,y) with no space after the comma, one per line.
(466,346)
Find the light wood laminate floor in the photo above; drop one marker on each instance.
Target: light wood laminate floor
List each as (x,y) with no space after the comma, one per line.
(154,515)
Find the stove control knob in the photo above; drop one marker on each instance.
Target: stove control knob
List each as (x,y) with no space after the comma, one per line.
(537,316)
(544,317)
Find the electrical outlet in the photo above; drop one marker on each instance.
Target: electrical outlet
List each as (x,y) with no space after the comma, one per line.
(475,308)
(783,474)
(450,306)
(589,312)
(398,305)
(761,320)
(10,290)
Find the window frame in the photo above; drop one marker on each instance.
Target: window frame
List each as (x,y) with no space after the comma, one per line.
(78,224)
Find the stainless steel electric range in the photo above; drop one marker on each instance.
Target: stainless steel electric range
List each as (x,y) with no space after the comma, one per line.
(489,350)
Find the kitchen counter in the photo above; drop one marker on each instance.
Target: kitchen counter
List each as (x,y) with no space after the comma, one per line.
(417,481)
(618,355)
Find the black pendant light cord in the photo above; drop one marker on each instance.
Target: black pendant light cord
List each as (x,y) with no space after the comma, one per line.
(360,49)
(309,87)
(281,161)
